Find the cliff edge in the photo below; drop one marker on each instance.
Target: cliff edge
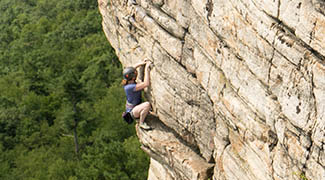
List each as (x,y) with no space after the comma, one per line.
(238,86)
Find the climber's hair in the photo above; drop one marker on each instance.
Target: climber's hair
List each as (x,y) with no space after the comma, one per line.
(124,82)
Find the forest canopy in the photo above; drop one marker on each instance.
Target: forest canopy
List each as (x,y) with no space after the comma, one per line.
(60,98)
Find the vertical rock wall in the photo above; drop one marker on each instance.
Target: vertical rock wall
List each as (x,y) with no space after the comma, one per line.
(238,85)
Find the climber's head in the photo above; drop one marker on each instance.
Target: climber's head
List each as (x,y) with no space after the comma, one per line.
(130,73)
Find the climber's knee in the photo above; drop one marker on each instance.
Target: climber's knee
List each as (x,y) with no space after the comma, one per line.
(147,106)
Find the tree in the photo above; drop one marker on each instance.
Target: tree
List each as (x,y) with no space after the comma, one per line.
(60,95)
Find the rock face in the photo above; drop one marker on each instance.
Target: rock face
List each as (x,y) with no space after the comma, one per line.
(238,85)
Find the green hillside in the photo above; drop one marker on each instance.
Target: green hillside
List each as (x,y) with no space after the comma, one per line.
(60,98)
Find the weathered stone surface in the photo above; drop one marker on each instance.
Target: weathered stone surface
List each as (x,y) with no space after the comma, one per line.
(315,170)
(158,172)
(183,162)
(239,84)
(283,165)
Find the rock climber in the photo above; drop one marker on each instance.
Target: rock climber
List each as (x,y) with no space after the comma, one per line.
(134,105)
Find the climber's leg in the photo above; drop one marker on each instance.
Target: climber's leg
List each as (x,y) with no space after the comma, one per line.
(141,111)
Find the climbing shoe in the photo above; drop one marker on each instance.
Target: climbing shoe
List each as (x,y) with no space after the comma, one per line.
(144,126)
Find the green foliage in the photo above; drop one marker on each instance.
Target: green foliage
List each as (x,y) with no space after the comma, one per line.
(300,175)
(303,176)
(59,75)
(136,158)
(114,160)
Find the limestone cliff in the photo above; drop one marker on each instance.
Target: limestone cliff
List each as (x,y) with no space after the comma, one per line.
(238,85)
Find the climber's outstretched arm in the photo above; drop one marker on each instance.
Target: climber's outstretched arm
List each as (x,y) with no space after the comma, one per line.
(146,81)
(139,64)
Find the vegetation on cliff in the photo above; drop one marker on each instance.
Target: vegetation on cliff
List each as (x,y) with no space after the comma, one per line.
(60,99)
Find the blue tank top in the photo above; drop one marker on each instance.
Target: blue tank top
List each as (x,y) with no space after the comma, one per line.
(132,96)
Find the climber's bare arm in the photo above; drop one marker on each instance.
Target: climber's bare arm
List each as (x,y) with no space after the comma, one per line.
(141,63)
(146,81)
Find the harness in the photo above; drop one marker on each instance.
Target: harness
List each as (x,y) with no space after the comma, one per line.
(129,105)
(128,116)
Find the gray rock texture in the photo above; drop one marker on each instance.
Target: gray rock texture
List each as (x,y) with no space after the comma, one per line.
(238,86)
